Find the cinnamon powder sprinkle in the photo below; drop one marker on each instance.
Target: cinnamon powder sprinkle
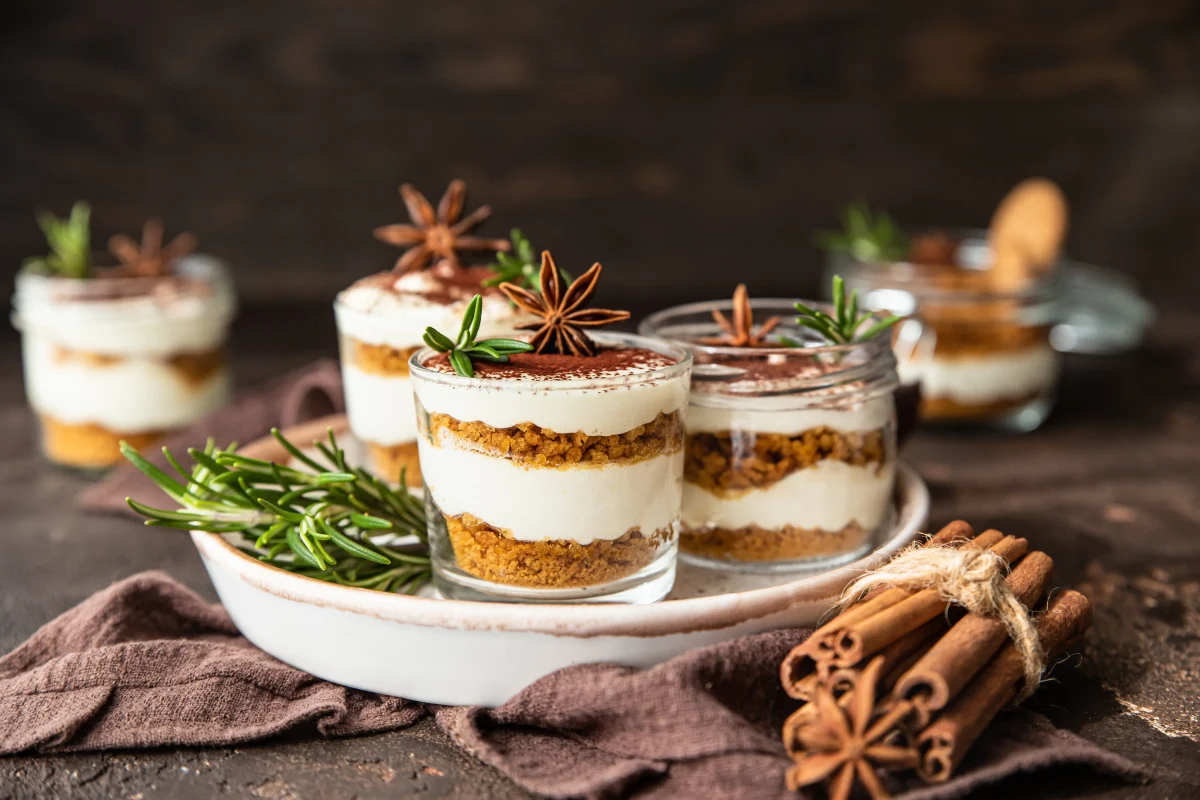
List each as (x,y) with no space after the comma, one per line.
(609,362)
(730,462)
(494,555)
(753,543)
(534,446)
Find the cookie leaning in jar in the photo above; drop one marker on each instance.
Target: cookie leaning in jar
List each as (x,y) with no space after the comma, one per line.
(553,467)
(382,317)
(790,454)
(131,351)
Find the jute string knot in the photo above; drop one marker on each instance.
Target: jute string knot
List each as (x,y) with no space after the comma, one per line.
(970,577)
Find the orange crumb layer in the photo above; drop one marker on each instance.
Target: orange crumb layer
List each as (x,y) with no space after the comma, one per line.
(494,555)
(387,460)
(946,409)
(753,543)
(529,444)
(87,445)
(380,359)
(194,368)
(975,338)
(734,461)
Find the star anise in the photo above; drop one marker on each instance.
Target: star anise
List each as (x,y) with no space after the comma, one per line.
(851,742)
(561,314)
(739,332)
(440,235)
(151,260)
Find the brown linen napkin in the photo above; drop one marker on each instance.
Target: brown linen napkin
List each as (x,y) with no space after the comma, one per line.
(304,394)
(147,663)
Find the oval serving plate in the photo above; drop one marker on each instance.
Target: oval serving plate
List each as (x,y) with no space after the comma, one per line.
(456,652)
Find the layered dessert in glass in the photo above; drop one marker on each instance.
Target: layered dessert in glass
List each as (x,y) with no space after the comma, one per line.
(555,474)
(790,455)
(127,352)
(989,297)
(382,318)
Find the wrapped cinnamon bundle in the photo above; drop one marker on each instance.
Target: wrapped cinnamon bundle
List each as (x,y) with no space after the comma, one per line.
(896,682)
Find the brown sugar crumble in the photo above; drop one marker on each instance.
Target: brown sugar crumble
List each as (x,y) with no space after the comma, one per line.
(753,543)
(494,555)
(730,462)
(531,445)
(968,338)
(387,460)
(380,359)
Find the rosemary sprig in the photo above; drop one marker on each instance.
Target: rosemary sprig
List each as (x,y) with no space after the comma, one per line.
(866,235)
(314,519)
(70,243)
(842,327)
(521,266)
(464,349)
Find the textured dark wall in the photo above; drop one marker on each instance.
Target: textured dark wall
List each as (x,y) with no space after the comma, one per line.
(682,144)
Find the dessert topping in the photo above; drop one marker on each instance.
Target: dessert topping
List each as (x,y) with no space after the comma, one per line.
(441,235)
(70,243)
(1026,232)
(151,260)
(520,266)
(842,327)
(866,235)
(739,332)
(463,349)
(562,315)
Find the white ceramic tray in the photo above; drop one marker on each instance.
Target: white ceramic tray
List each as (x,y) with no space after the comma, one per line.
(472,653)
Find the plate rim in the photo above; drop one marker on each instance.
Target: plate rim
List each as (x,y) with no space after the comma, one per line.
(688,615)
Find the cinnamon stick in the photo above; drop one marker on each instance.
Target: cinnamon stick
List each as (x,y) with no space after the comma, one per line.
(864,638)
(946,741)
(951,663)
(796,671)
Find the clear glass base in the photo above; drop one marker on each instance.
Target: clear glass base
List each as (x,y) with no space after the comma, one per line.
(649,585)
(1021,419)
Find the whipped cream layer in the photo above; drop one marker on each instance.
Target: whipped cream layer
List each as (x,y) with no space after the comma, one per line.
(395,310)
(979,379)
(132,395)
(826,496)
(709,413)
(191,315)
(380,408)
(581,504)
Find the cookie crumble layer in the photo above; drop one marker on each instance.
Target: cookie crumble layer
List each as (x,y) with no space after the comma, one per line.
(494,555)
(753,543)
(534,446)
(731,462)
(381,359)
(388,460)
(88,445)
(947,409)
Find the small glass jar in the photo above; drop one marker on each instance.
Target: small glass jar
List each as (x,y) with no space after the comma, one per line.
(558,486)
(791,451)
(380,321)
(992,363)
(111,358)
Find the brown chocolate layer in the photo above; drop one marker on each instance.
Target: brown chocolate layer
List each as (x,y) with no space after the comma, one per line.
(494,555)
(753,543)
(532,445)
(731,462)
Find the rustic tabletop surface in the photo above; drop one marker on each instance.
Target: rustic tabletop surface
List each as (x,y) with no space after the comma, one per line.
(1109,487)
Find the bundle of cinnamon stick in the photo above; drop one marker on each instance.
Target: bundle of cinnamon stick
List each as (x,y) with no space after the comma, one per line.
(904,680)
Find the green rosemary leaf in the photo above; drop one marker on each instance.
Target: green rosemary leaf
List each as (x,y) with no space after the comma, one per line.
(842,327)
(506,346)
(866,235)
(300,549)
(462,364)
(293,451)
(839,301)
(880,327)
(335,477)
(282,513)
(164,481)
(354,548)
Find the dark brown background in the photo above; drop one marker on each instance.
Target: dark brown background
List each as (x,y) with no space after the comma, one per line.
(679,143)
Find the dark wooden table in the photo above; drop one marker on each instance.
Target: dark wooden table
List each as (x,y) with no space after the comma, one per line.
(1110,487)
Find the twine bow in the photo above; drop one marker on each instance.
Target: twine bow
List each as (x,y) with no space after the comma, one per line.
(970,577)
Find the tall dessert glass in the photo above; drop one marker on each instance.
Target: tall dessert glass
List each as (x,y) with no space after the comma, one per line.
(791,450)
(555,477)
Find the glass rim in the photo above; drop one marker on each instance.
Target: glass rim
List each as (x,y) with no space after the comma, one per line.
(681,367)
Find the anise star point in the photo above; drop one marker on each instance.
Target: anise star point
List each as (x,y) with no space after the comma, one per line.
(437,235)
(845,745)
(561,314)
(739,331)
(151,259)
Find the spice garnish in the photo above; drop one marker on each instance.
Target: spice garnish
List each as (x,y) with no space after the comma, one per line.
(70,243)
(305,517)
(520,266)
(463,349)
(151,260)
(739,332)
(851,741)
(562,317)
(842,327)
(866,235)
(441,234)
